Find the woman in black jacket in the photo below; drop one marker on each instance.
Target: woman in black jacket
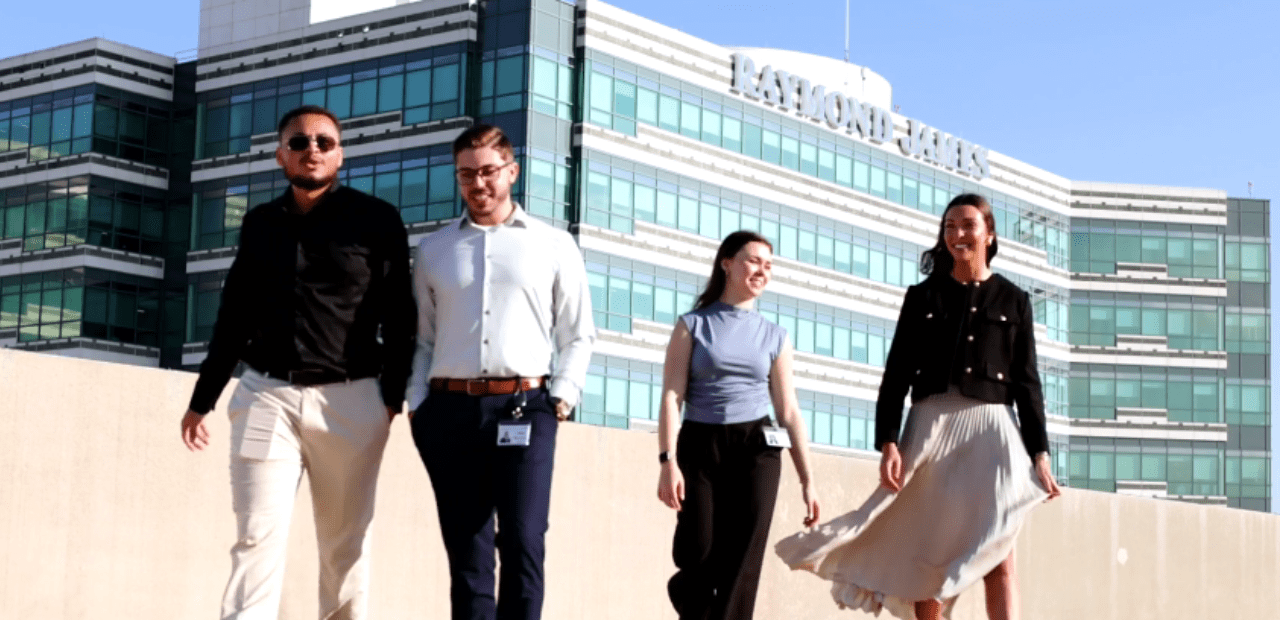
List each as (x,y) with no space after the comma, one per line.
(953,497)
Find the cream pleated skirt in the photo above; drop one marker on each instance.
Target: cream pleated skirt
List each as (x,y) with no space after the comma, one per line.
(969,484)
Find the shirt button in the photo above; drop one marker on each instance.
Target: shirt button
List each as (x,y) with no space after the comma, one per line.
(486,341)
(968,371)
(970,337)
(917,371)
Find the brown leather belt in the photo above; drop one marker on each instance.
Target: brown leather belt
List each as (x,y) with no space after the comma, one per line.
(486,387)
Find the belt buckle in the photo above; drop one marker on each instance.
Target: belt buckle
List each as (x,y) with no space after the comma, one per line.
(483,387)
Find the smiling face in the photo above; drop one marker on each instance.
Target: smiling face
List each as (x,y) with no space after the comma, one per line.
(966,234)
(749,271)
(311,168)
(485,177)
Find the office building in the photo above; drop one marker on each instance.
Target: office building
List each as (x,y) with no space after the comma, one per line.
(649,145)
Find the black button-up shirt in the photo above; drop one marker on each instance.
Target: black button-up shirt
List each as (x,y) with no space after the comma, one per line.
(310,294)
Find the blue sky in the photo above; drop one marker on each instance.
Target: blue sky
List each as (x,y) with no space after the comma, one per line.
(1163,93)
(1153,92)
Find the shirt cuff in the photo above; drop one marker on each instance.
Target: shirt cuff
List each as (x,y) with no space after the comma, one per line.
(566,391)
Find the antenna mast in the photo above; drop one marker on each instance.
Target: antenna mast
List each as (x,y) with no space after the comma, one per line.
(846,30)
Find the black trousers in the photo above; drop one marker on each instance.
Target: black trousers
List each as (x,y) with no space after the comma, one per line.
(474,479)
(731,485)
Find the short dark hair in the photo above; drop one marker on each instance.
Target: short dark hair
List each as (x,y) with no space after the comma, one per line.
(479,136)
(937,260)
(307,109)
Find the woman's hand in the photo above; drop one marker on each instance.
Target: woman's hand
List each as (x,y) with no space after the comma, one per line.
(811,507)
(890,467)
(671,485)
(1046,476)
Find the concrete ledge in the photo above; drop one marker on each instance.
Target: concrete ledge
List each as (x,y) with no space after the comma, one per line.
(104,515)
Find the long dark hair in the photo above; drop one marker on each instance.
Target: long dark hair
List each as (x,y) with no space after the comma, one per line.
(937,259)
(729,248)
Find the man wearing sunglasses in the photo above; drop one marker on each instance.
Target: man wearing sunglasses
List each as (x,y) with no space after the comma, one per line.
(504,339)
(320,274)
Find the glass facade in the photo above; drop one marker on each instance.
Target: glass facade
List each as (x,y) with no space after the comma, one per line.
(420,182)
(1187,250)
(94,303)
(85,209)
(88,118)
(1190,327)
(619,95)
(132,203)
(422,86)
(1247,330)
(1203,328)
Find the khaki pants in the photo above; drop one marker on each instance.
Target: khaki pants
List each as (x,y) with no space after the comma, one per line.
(337,433)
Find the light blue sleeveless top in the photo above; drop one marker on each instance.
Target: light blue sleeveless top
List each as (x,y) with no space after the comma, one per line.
(733,351)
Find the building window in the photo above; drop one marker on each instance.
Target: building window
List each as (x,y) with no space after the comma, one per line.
(423,86)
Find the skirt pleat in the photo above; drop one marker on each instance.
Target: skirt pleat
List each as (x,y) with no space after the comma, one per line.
(968,486)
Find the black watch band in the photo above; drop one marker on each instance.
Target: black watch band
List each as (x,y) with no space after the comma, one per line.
(664,456)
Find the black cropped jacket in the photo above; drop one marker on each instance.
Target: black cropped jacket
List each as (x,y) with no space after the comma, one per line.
(979,337)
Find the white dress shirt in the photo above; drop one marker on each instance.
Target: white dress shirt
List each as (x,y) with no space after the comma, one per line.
(501,301)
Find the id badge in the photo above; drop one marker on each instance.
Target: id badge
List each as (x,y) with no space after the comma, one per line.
(775,437)
(514,433)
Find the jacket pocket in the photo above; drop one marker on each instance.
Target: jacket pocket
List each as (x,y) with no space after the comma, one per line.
(997,371)
(997,330)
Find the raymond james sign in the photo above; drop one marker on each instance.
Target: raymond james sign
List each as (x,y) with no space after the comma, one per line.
(786,91)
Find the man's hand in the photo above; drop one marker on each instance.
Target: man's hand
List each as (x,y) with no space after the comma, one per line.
(194,432)
(562,409)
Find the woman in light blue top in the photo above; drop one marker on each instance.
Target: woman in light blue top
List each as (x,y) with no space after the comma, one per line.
(725,365)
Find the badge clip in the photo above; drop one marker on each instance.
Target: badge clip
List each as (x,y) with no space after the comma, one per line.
(775,437)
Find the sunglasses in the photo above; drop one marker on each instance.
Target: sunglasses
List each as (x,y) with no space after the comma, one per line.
(301,143)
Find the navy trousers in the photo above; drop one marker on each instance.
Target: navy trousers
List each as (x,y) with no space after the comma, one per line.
(475,480)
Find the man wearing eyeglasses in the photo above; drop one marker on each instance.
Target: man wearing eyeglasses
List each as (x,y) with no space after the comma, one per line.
(504,339)
(321,272)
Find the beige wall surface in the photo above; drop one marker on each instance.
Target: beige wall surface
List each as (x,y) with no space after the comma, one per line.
(104,515)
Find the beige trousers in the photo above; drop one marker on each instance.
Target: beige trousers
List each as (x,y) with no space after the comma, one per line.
(337,433)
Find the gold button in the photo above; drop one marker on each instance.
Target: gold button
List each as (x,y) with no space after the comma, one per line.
(973,309)
(1002,318)
(968,370)
(999,375)
(929,316)
(970,337)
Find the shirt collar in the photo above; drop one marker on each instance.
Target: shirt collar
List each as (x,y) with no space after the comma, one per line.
(288,203)
(518,218)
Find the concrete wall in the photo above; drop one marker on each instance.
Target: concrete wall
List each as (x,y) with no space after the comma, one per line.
(105,515)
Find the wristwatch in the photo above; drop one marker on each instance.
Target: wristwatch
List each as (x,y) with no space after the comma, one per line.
(664,456)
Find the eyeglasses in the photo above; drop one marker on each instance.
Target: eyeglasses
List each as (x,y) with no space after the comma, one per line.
(467,175)
(301,143)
